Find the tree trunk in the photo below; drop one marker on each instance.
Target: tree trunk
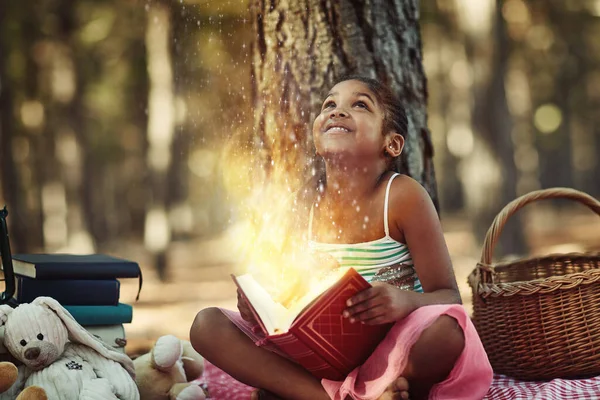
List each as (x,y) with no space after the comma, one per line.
(490,172)
(182,142)
(438,23)
(302,47)
(23,183)
(556,165)
(12,194)
(161,124)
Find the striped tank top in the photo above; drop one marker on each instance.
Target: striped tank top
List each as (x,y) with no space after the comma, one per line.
(368,258)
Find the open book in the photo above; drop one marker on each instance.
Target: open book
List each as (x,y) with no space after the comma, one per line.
(313,331)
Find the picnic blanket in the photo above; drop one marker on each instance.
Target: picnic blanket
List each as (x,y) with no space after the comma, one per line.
(223,387)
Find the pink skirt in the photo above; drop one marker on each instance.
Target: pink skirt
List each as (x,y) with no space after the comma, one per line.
(470,378)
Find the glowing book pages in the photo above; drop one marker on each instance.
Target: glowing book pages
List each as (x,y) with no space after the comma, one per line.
(317,336)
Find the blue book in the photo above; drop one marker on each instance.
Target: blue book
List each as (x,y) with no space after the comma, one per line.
(69,291)
(101,315)
(75,266)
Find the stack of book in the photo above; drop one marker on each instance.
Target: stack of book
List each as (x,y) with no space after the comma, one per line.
(86,285)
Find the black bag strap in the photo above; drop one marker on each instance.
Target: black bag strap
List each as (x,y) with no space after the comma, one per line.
(6,257)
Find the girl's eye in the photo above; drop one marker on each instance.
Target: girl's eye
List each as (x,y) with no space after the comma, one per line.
(361,104)
(328,104)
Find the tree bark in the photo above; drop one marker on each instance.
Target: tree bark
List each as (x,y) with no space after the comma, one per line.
(301,47)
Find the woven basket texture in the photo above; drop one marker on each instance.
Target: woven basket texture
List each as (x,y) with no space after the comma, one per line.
(539,318)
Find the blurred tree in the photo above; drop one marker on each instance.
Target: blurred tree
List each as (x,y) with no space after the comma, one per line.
(441,36)
(12,188)
(300,49)
(79,172)
(184,27)
(161,129)
(492,119)
(562,154)
(489,171)
(22,121)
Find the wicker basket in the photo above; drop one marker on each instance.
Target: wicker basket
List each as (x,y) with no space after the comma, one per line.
(539,318)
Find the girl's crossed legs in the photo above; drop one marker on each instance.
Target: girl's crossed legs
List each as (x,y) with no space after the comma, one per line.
(222,343)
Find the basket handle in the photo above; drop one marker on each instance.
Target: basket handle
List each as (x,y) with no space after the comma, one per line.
(495,229)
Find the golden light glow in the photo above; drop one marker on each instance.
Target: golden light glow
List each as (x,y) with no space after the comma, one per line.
(272,239)
(273,246)
(314,290)
(202,163)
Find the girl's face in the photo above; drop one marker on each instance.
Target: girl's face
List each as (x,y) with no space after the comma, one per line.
(350,123)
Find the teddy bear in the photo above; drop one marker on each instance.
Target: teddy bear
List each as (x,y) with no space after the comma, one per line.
(166,372)
(60,359)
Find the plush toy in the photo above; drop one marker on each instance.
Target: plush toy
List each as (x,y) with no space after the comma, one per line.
(10,379)
(166,372)
(8,375)
(61,360)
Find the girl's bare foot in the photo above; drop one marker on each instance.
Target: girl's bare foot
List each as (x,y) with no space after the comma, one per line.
(398,390)
(261,394)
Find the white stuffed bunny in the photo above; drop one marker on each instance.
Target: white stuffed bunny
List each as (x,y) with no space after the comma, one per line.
(61,357)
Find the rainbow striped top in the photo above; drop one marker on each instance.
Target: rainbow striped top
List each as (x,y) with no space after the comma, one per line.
(367,258)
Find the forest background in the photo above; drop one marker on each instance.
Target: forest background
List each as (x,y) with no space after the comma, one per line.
(118,120)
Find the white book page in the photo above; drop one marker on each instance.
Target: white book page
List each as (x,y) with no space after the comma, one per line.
(274,316)
(270,312)
(318,287)
(22,268)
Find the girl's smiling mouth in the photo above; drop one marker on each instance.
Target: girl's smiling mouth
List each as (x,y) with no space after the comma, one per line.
(336,128)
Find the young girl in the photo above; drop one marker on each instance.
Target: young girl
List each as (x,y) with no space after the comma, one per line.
(385,226)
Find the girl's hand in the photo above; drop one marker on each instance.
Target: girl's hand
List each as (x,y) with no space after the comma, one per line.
(244,309)
(380,304)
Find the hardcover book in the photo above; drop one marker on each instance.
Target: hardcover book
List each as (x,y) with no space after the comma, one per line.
(313,331)
(112,335)
(75,266)
(69,291)
(101,315)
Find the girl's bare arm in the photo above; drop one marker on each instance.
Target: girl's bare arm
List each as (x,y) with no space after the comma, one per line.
(414,218)
(413,221)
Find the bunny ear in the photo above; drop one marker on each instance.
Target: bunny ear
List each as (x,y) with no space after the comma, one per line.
(5,309)
(78,334)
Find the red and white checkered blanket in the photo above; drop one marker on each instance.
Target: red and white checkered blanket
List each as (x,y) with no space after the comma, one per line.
(223,387)
(504,388)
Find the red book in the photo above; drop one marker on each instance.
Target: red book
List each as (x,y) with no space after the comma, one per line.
(313,332)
